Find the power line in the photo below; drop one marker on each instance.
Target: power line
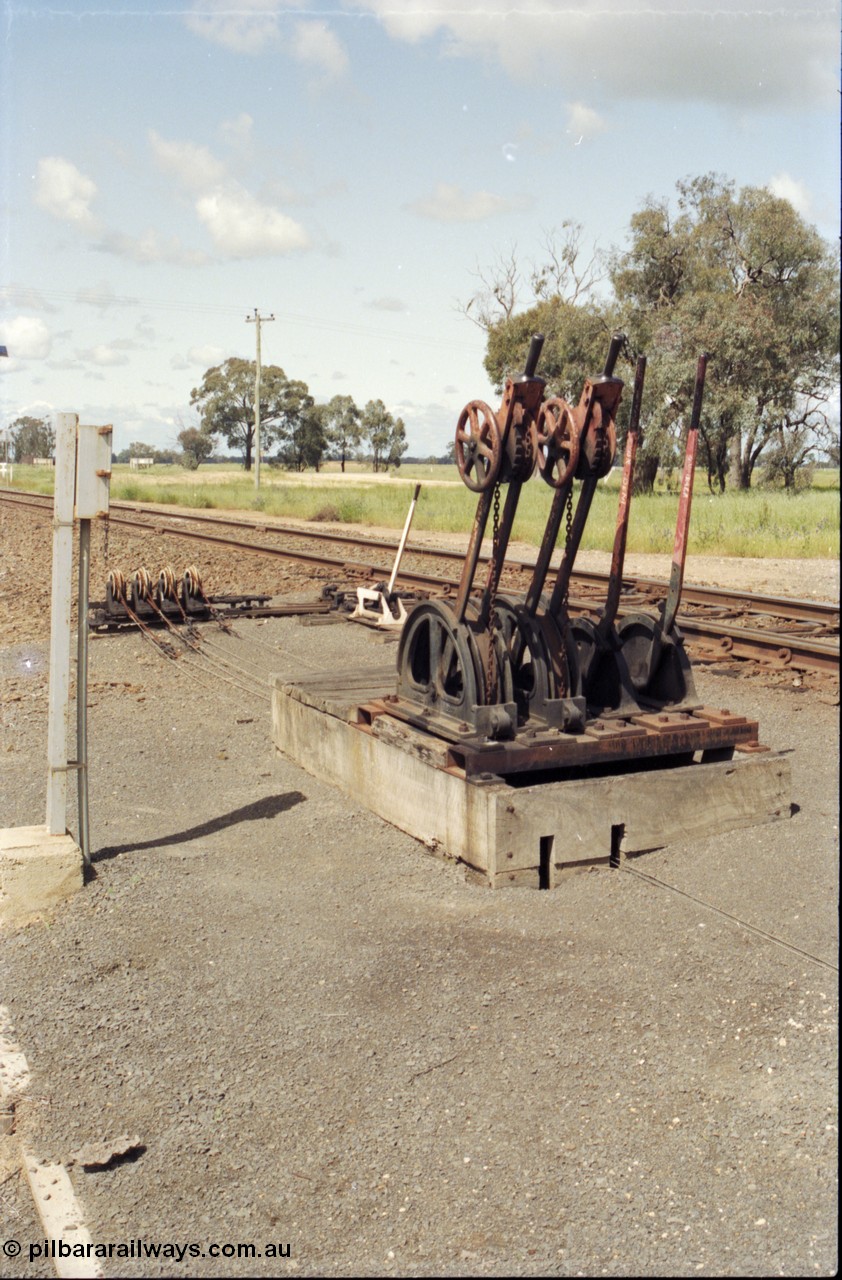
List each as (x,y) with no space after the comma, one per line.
(200,308)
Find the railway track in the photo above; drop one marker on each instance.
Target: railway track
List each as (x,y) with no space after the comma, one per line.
(777,631)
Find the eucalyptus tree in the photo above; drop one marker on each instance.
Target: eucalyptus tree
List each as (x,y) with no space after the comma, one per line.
(744,277)
(343,432)
(32,437)
(384,435)
(739,274)
(225,402)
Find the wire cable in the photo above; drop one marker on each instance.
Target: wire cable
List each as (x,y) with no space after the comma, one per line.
(752,928)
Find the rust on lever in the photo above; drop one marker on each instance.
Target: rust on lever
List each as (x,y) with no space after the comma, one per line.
(682,528)
(618,555)
(595,419)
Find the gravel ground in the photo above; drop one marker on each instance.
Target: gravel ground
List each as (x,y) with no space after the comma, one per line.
(326,1039)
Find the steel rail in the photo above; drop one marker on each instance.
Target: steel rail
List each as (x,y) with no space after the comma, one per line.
(778,648)
(800,610)
(737,641)
(821,612)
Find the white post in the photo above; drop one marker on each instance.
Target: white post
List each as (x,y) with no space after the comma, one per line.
(65,487)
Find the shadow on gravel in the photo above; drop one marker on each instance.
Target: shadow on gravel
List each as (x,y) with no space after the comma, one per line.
(268,807)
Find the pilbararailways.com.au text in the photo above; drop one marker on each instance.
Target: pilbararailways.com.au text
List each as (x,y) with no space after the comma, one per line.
(141,1249)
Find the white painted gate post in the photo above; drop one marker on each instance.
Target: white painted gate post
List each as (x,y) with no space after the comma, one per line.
(65,487)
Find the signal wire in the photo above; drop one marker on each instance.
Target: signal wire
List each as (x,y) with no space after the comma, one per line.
(743,924)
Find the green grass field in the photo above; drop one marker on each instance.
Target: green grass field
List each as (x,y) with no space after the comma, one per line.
(759,523)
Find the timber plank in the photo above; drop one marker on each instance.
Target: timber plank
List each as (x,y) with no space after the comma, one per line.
(513,835)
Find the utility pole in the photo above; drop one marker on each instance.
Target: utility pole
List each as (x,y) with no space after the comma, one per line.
(257,319)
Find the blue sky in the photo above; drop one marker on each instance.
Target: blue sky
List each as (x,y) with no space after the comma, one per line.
(167,168)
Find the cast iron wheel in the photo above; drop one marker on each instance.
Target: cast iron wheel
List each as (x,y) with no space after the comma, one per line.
(558,442)
(478,446)
(437,663)
(597,449)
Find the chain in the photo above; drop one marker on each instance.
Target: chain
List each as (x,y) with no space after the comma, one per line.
(568,530)
(600,452)
(106,529)
(491,672)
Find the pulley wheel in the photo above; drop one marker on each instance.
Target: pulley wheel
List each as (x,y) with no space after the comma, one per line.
(167,589)
(437,663)
(116,584)
(478,446)
(142,584)
(521,451)
(192,581)
(597,449)
(558,442)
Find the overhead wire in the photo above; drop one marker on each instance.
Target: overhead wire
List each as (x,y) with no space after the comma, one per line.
(209,308)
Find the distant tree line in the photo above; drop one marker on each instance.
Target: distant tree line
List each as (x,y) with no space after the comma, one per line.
(739,274)
(138,449)
(295,432)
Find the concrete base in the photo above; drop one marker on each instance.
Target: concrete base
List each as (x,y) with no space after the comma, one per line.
(37,871)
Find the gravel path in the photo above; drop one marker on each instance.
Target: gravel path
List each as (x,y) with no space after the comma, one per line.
(325,1038)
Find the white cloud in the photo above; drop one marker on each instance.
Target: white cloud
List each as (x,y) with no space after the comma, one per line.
(102,297)
(206,356)
(243,26)
(314,44)
(388,304)
(788,188)
(237,133)
(63,191)
(583,123)
(242,227)
(196,167)
(150,247)
(27,338)
(734,53)
(103,355)
(253,27)
(21,295)
(450,203)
